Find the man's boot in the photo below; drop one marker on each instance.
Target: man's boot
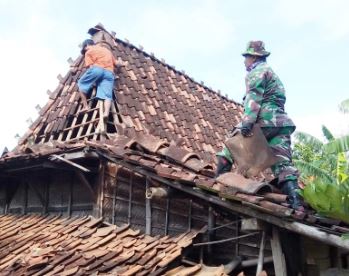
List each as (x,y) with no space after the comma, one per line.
(290,187)
(223,165)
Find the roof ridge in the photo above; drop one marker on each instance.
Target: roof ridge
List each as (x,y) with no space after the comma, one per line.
(165,100)
(152,56)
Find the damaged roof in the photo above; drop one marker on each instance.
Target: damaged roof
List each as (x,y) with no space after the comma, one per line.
(181,169)
(53,245)
(188,123)
(151,97)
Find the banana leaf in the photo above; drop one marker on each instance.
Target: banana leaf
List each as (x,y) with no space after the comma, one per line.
(328,199)
(338,145)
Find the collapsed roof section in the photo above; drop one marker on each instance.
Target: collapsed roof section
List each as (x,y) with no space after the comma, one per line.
(151,97)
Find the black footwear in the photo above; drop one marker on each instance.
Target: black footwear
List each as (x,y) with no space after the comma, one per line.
(223,166)
(290,188)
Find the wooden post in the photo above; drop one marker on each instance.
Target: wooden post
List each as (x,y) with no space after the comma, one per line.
(98,200)
(278,256)
(101,190)
(237,234)
(10,192)
(211,221)
(130,188)
(46,198)
(114,203)
(70,199)
(167,216)
(147,211)
(190,214)
(261,255)
(25,198)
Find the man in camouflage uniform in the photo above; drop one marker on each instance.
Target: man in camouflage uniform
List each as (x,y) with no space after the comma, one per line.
(264,104)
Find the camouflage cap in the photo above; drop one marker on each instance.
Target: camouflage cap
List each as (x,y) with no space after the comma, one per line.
(256,48)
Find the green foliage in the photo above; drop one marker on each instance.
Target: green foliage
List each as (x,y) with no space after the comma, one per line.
(329,199)
(308,170)
(310,150)
(327,133)
(342,168)
(338,145)
(324,170)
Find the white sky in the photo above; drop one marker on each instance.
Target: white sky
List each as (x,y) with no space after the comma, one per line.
(308,40)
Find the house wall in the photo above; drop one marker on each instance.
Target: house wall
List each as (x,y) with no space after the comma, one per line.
(172,215)
(53,191)
(324,260)
(46,192)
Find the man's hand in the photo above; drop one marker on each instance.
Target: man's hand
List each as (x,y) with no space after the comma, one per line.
(246,129)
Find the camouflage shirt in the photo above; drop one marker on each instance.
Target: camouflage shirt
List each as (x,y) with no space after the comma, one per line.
(265,98)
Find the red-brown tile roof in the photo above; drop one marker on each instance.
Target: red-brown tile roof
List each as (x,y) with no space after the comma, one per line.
(155,98)
(150,155)
(151,97)
(51,245)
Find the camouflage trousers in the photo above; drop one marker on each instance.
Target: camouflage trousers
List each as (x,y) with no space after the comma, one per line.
(279,140)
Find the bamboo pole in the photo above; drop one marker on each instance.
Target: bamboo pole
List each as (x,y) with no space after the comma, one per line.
(261,255)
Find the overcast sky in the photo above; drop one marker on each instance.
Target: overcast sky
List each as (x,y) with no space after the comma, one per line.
(308,41)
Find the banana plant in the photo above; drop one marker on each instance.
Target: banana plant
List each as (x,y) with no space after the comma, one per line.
(324,170)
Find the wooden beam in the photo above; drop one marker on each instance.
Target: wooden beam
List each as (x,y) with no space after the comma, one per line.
(55,156)
(36,166)
(116,119)
(254,262)
(278,256)
(83,124)
(251,224)
(93,119)
(74,155)
(261,255)
(225,240)
(248,210)
(72,125)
